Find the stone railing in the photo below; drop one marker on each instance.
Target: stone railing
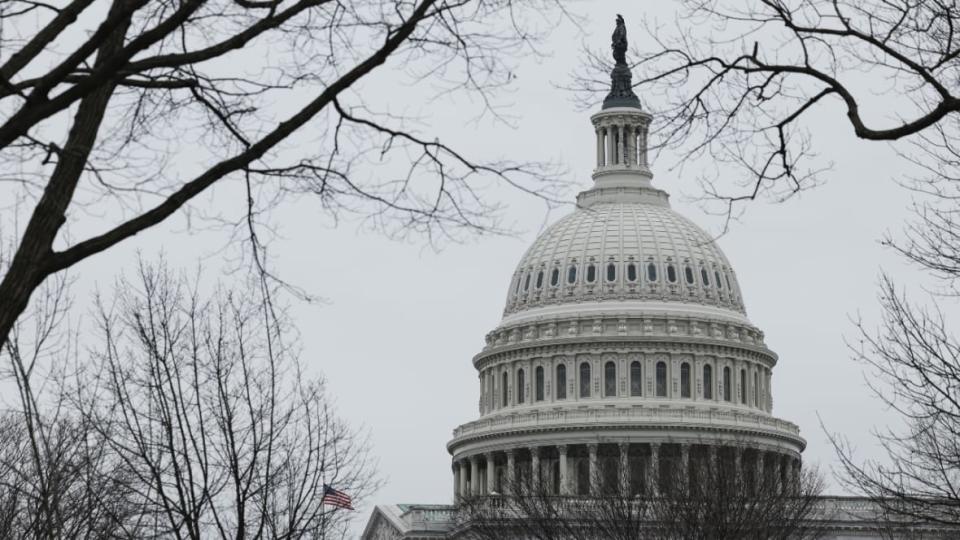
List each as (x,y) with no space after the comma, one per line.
(635,415)
(430,517)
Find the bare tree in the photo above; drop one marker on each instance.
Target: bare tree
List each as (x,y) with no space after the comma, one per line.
(191,418)
(204,405)
(710,502)
(741,79)
(129,110)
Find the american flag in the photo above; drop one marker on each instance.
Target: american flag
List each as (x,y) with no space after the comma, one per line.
(336,498)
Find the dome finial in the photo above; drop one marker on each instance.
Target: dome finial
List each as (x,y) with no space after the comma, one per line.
(621,88)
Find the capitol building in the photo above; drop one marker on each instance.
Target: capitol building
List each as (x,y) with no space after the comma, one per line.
(624,358)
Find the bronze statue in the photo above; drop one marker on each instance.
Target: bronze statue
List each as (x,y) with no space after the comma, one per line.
(620,41)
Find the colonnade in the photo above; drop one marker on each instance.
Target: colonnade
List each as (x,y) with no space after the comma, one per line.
(622,144)
(623,467)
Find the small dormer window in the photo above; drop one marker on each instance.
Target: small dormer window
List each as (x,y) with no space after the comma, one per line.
(631,272)
(688,273)
(591,273)
(555,277)
(671,274)
(611,272)
(572,274)
(651,272)
(540,279)
(719,283)
(704,277)
(526,283)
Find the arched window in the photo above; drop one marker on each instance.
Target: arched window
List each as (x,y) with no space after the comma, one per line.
(561,381)
(743,386)
(726,384)
(538,375)
(636,382)
(504,396)
(651,272)
(631,272)
(708,382)
(610,379)
(555,277)
(572,274)
(661,379)
(671,274)
(704,277)
(526,283)
(520,384)
(756,389)
(591,273)
(717,280)
(684,380)
(611,272)
(585,379)
(540,279)
(688,273)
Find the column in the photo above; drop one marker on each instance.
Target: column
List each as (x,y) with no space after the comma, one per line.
(491,474)
(474,475)
(564,487)
(511,472)
(624,469)
(535,468)
(600,162)
(643,146)
(594,473)
(456,481)
(684,467)
(777,471)
(462,467)
(760,471)
(653,469)
(630,150)
(611,145)
(738,463)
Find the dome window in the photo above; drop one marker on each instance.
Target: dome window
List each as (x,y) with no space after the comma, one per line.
(540,279)
(585,380)
(636,382)
(727,276)
(611,272)
(526,283)
(591,273)
(705,277)
(661,379)
(685,380)
(561,381)
(651,272)
(719,283)
(671,274)
(631,272)
(572,274)
(688,273)
(555,277)
(707,381)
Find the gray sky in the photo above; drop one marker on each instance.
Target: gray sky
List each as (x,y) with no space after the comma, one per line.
(402,321)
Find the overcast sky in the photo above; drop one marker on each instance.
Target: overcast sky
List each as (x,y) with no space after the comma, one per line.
(402,320)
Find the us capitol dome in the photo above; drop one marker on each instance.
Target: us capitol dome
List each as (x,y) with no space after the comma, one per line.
(624,357)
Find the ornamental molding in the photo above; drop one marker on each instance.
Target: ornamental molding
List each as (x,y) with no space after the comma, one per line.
(621,345)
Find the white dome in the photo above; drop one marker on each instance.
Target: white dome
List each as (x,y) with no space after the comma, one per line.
(650,252)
